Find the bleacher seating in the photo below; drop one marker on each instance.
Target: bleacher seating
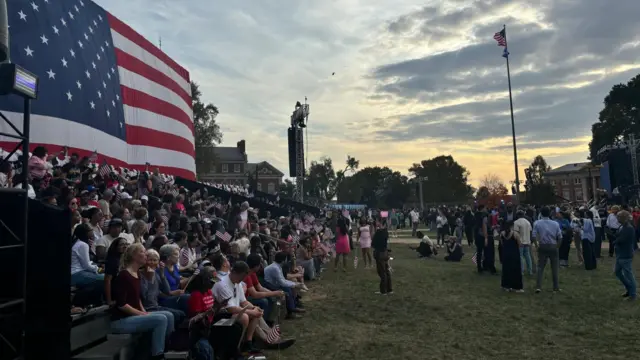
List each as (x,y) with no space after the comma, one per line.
(90,334)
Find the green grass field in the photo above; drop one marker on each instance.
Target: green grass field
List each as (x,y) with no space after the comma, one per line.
(446,311)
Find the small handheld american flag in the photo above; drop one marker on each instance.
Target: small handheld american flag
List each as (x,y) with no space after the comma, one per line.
(355,262)
(104,170)
(273,336)
(474,258)
(226,237)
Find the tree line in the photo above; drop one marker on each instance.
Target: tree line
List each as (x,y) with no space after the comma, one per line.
(444,181)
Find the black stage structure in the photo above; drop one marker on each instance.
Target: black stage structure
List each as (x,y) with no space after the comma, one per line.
(619,172)
(34,257)
(299,120)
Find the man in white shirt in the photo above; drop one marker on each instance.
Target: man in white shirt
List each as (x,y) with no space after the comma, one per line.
(103,243)
(612,228)
(230,293)
(597,224)
(523,228)
(415,220)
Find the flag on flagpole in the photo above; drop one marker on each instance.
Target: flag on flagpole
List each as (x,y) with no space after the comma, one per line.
(501,37)
(505,53)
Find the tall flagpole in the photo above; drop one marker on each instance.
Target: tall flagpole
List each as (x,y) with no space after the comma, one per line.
(513,126)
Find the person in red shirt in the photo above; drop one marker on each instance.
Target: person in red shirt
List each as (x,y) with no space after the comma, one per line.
(636,216)
(201,299)
(223,339)
(129,316)
(256,294)
(179,205)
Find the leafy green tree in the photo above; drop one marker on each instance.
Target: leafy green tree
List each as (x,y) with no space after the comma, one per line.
(539,191)
(445,180)
(319,179)
(207,132)
(351,167)
(619,118)
(376,187)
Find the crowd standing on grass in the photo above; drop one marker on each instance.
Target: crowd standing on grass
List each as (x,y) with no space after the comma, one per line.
(172,261)
(528,238)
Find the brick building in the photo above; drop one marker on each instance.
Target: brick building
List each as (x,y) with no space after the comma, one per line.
(232,167)
(576,182)
(268,178)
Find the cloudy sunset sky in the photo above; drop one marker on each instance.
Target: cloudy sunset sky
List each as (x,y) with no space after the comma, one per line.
(413,79)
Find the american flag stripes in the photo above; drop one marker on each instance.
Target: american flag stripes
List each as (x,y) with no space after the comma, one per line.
(102,85)
(104,170)
(273,335)
(501,37)
(474,258)
(226,237)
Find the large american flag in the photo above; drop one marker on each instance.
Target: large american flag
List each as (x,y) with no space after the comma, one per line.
(102,87)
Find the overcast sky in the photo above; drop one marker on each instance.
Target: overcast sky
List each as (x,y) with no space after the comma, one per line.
(413,79)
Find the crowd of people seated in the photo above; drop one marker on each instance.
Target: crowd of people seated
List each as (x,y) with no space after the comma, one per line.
(198,273)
